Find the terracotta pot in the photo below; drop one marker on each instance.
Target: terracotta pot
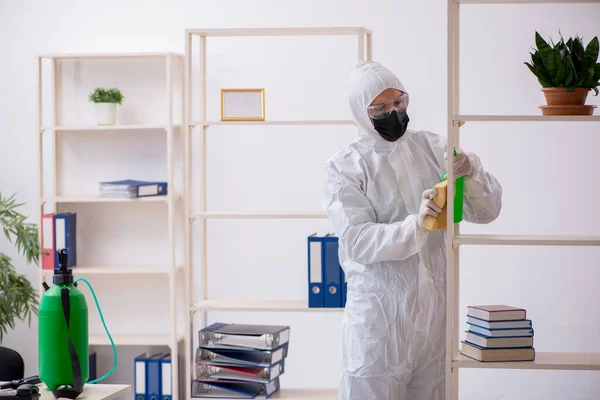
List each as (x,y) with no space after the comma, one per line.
(560,96)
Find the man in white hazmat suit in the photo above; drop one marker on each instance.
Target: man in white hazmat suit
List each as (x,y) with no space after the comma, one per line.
(378,191)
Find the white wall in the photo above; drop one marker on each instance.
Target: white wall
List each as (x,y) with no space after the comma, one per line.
(281,168)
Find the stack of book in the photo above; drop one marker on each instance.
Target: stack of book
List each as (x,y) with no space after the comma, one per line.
(240,361)
(132,189)
(498,333)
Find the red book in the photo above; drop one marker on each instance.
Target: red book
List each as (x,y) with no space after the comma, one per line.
(48,242)
(496,313)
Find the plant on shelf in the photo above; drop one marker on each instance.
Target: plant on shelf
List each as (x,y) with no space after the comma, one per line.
(18,299)
(106,101)
(567,71)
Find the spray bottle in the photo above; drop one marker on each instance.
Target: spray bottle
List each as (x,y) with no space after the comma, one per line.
(458,196)
(63,334)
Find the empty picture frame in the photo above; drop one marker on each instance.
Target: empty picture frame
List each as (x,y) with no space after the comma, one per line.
(242,104)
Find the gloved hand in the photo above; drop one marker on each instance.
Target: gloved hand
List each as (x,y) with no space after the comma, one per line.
(463,164)
(428,207)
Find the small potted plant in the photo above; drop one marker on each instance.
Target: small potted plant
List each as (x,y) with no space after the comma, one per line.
(106,101)
(567,72)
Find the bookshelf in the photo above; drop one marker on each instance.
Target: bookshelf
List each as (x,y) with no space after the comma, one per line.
(454,360)
(63,82)
(197,213)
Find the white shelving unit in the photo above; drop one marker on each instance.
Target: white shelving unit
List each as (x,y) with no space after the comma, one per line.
(173,81)
(454,360)
(206,305)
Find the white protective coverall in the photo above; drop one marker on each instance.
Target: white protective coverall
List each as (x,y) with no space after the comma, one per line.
(393,333)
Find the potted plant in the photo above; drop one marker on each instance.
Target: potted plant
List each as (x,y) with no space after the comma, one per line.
(18,299)
(567,72)
(106,101)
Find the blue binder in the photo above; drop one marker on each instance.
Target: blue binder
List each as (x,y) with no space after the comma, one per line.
(344,286)
(167,378)
(142,188)
(65,236)
(140,377)
(332,272)
(153,377)
(316,295)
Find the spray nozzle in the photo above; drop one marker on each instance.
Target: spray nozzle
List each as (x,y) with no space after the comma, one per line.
(62,259)
(63,275)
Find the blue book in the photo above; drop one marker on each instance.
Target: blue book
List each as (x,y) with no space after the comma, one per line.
(499,342)
(65,236)
(231,389)
(332,272)
(316,294)
(131,188)
(503,332)
(483,354)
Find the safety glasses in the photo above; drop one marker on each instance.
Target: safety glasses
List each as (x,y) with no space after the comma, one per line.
(383,110)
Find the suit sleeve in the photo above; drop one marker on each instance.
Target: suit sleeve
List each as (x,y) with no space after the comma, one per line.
(354,219)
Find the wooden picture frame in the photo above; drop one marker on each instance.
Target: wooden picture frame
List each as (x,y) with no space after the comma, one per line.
(242,104)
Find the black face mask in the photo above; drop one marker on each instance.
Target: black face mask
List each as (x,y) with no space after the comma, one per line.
(392,127)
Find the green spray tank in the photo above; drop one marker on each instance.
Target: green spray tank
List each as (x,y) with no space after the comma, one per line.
(63,334)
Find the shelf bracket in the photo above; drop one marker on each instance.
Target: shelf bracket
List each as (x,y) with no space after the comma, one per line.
(42,130)
(192,219)
(458,123)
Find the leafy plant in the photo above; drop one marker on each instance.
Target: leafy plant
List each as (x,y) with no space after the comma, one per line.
(566,64)
(18,299)
(101,95)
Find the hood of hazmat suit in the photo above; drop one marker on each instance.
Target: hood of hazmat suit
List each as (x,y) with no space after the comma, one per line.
(393,333)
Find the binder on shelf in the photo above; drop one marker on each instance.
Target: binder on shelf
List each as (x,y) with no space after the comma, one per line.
(65,232)
(131,188)
(212,372)
(242,336)
(242,357)
(48,242)
(166,373)
(344,287)
(153,377)
(233,389)
(316,295)
(332,271)
(140,377)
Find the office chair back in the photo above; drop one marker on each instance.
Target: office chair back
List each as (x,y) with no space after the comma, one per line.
(12,366)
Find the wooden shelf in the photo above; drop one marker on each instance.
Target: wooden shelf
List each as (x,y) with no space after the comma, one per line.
(261,215)
(132,340)
(526,240)
(85,270)
(108,128)
(287,123)
(279,31)
(526,118)
(524,1)
(259,305)
(97,199)
(306,394)
(91,56)
(556,361)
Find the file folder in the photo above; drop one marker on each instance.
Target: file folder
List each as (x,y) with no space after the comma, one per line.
(261,337)
(167,378)
(243,357)
(234,389)
(132,188)
(48,243)
(344,286)
(65,229)
(153,377)
(332,272)
(140,377)
(316,295)
(212,372)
